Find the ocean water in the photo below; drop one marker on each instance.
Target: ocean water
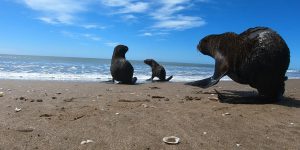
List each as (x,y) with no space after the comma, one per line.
(89,69)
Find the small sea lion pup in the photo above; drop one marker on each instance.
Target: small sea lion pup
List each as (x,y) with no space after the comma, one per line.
(121,70)
(157,70)
(258,57)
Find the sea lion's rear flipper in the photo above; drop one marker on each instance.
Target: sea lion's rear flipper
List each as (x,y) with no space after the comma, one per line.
(168,79)
(221,68)
(134,79)
(205,83)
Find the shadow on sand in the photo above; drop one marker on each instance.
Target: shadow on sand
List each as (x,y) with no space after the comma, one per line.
(251,97)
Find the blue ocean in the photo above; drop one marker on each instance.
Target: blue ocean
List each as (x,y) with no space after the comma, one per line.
(96,70)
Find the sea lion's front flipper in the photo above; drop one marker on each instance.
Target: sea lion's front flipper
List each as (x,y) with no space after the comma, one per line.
(221,68)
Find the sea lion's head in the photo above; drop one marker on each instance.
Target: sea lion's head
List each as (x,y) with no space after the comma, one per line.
(207,44)
(150,62)
(120,51)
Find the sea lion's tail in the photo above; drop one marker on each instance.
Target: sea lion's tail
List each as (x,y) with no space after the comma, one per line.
(168,79)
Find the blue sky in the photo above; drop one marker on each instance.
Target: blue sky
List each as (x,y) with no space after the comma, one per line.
(166,30)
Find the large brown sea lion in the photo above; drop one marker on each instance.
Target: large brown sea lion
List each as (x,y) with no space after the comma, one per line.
(121,69)
(157,70)
(258,57)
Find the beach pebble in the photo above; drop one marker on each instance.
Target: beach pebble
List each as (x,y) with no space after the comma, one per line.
(238,145)
(204,133)
(86,142)
(291,123)
(117,113)
(1,94)
(17,109)
(171,140)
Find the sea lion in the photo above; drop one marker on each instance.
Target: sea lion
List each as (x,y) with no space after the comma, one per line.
(121,69)
(157,70)
(258,57)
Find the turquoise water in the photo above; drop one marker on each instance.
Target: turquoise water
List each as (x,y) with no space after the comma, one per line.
(90,69)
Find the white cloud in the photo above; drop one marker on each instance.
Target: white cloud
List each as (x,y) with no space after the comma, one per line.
(129,17)
(180,23)
(57,11)
(115,3)
(91,37)
(170,16)
(147,34)
(93,26)
(48,20)
(112,44)
(158,15)
(80,36)
(138,7)
(127,6)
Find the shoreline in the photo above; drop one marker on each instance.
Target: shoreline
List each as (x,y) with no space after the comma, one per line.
(60,115)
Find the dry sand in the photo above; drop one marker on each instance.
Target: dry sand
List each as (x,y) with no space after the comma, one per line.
(60,115)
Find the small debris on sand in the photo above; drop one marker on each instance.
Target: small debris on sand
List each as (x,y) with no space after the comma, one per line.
(213,98)
(39,100)
(46,115)
(208,92)
(1,94)
(158,97)
(171,140)
(125,100)
(226,114)
(145,105)
(22,98)
(76,118)
(238,145)
(69,99)
(25,130)
(54,97)
(117,113)
(86,142)
(190,98)
(154,87)
(204,133)
(17,109)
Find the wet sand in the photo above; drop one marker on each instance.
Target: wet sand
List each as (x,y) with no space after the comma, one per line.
(60,115)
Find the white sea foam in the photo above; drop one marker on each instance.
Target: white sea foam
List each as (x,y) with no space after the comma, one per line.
(59,77)
(86,77)
(81,69)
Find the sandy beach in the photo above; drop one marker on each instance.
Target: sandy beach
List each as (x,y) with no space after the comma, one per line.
(60,115)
